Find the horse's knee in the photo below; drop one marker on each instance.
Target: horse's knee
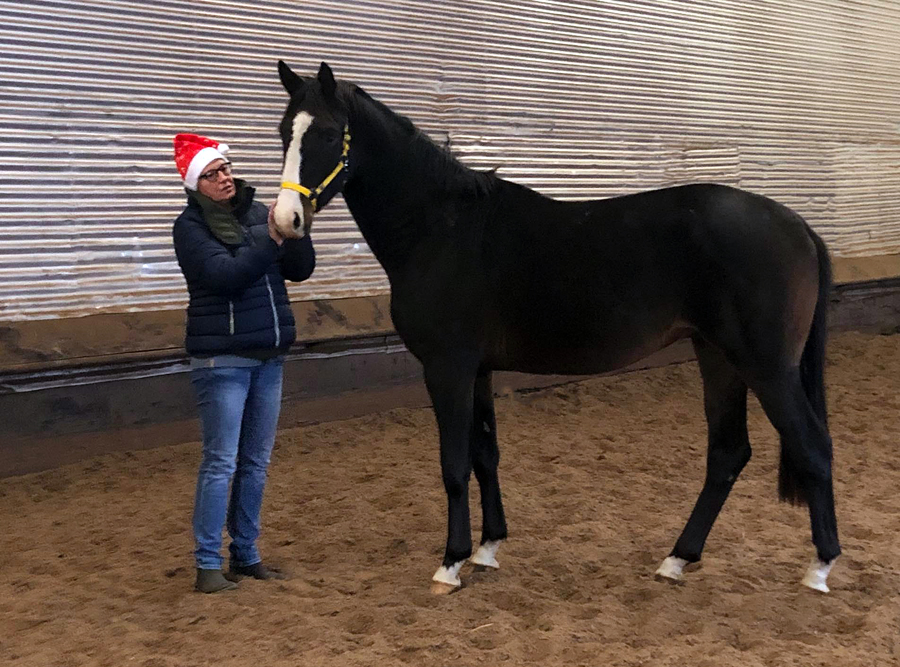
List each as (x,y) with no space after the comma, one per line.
(724,466)
(456,483)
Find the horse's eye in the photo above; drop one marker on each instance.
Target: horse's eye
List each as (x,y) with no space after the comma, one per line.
(331,137)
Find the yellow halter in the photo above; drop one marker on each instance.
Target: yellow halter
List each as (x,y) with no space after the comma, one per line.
(313,195)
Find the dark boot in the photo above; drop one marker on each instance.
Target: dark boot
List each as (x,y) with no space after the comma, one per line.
(257,571)
(212,581)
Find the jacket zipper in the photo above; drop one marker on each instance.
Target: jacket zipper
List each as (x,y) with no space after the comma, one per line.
(274,313)
(231,317)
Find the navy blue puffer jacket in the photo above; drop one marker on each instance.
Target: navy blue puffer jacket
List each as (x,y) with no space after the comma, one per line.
(238,301)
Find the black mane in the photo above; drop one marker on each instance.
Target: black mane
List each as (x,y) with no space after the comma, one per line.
(444,171)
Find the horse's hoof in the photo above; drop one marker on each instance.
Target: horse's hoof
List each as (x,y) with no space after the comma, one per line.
(671,570)
(816,575)
(671,581)
(822,588)
(446,579)
(440,588)
(486,564)
(485,557)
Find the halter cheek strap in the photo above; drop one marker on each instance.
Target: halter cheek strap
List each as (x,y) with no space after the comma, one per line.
(313,195)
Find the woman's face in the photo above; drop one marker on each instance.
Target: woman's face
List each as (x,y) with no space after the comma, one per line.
(216,181)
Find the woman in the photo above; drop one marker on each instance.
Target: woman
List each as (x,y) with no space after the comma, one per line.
(239,325)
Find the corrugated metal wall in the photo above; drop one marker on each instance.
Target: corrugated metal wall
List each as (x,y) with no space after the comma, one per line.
(796,99)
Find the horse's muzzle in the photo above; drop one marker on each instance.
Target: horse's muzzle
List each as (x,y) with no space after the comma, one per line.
(293,215)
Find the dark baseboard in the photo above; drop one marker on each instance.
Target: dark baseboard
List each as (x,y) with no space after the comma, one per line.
(60,416)
(872,305)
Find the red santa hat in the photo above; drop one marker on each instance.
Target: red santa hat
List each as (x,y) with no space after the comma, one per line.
(193,153)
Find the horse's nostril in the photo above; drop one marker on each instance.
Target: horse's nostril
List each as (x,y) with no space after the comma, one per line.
(296,221)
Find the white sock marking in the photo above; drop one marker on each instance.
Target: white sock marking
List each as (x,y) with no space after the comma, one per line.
(486,554)
(449,575)
(672,568)
(817,574)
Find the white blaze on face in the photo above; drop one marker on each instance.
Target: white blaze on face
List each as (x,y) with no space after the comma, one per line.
(288,203)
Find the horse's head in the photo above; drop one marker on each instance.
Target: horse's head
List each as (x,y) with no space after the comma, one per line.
(316,141)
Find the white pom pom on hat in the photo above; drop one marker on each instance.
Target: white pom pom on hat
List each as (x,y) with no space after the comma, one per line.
(193,153)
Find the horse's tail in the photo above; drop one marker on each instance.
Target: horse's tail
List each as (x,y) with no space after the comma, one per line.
(812,372)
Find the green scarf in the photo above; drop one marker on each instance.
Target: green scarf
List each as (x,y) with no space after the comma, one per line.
(220,217)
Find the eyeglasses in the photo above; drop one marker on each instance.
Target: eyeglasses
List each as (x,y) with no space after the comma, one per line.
(213,174)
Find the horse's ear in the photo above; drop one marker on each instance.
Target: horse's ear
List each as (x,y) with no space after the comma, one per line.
(326,79)
(291,82)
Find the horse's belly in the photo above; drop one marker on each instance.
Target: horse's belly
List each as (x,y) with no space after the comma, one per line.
(589,356)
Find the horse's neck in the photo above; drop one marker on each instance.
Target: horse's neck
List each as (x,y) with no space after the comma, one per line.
(390,194)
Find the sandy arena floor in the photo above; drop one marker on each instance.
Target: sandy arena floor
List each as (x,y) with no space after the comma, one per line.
(598,479)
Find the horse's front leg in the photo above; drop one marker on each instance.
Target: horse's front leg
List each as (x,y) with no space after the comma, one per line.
(451,384)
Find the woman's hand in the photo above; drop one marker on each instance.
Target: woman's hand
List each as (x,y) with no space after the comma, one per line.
(274,234)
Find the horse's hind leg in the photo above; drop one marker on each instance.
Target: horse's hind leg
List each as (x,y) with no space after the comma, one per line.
(485,459)
(450,383)
(805,474)
(725,402)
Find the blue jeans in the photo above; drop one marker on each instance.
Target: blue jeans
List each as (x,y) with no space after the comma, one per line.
(238,415)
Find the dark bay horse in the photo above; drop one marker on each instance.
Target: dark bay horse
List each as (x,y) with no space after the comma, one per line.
(489,275)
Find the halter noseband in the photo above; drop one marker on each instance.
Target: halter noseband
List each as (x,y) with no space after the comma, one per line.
(313,195)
